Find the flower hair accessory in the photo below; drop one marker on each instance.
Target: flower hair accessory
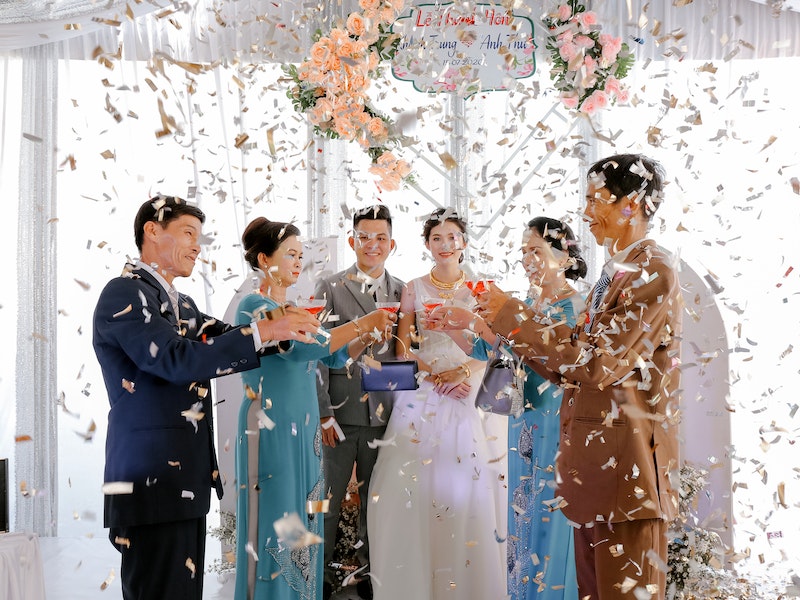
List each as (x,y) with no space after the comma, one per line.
(588,65)
(331,86)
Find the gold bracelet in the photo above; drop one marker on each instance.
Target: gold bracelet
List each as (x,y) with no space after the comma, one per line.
(465,367)
(360,333)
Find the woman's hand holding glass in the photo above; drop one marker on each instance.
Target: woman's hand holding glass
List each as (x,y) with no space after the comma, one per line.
(450,318)
(294,324)
(376,325)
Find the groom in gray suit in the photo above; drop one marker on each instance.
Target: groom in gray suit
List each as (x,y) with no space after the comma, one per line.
(349,421)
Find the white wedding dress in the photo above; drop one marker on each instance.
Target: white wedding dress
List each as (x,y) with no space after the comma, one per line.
(437,517)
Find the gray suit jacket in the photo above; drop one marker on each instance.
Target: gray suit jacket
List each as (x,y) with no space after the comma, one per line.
(348,298)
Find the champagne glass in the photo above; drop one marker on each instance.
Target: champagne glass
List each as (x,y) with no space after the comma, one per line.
(314,306)
(479,286)
(391,307)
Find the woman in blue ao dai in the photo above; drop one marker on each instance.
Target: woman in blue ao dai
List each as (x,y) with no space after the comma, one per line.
(541,557)
(278,454)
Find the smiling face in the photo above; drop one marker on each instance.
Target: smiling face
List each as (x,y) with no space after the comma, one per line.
(609,219)
(372,242)
(284,266)
(446,243)
(173,248)
(542,262)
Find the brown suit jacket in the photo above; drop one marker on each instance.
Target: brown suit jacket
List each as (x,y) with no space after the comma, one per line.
(618,452)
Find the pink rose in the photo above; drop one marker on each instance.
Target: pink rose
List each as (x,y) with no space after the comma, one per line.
(587,19)
(612,85)
(600,99)
(567,51)
(610,48)
(564,12)
(589,106)
(569,99)
(584,41)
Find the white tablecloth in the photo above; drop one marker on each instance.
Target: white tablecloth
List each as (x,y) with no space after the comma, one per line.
(21,573)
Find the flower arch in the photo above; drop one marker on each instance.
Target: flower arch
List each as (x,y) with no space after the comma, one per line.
(330,86)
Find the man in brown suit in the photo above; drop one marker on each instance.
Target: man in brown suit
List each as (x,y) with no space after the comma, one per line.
(617,466)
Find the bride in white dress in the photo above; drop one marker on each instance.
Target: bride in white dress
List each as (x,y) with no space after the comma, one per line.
(437,514)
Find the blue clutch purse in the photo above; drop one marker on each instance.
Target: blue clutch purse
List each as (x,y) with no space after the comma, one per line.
(392,376)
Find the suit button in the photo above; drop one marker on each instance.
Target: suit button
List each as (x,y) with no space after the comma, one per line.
(234,363)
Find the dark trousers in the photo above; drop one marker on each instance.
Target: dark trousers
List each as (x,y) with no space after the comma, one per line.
(612,560)
(163,560)
(338,469)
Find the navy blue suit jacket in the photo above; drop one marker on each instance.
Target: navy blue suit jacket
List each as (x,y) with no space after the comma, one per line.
(154,369)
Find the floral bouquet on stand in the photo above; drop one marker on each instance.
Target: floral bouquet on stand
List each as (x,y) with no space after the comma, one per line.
(588,65)
(330,87)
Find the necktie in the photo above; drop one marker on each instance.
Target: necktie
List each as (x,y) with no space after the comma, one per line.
(597,297)
(175,299)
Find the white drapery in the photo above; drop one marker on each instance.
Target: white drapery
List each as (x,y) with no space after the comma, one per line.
(35,464)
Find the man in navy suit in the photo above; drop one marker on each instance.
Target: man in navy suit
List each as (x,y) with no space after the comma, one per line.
(158,352)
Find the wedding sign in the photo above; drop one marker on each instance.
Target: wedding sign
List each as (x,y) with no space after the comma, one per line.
(463,48)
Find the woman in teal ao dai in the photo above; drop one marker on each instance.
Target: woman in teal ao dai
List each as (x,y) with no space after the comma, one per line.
(278,453)
(541,556)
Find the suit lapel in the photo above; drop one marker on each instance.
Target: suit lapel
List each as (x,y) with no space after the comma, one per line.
(358,290)
(165,304)
(394,287)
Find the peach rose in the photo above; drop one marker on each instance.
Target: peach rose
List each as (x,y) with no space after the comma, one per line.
(369,4)
(321,50)
(376,128)
(355,24)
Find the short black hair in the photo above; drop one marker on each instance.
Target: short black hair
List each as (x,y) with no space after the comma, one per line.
(560,236)
(263,235)
(377,212)
(162,209)
(623,174)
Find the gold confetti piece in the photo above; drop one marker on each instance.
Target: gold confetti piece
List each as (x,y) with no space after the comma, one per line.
(448,161)
(128,386)
(121,541)
(83,284)
(108,580)
(114,488)
(271,141)
(317,506)
(190,565)
(795,185)
(174,463)
(241,139)
(90,431)
(782,494)
(107,154)
(31,137)
(72,26)
(23,438)
(111,22)
(124,311)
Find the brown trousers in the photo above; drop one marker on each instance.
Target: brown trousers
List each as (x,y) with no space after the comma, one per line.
(614,559)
